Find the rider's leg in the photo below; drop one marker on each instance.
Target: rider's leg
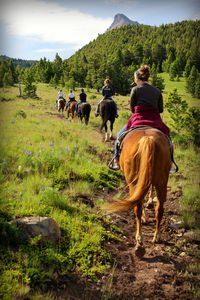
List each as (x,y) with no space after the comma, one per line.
(77,106)
(97,109)
(115,164)
(173,169)
(67,104)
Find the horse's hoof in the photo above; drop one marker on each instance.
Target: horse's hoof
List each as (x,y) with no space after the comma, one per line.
(139,251)
(156,239)
(149,205)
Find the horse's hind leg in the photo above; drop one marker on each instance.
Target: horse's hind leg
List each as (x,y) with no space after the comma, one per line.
(139,249)
(111,130)
(161,198)
(106,134)
(150,200)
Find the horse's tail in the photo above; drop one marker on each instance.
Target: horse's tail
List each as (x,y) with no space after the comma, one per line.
(143,165)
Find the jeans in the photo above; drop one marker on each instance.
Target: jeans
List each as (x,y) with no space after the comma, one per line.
(116,156)
(77,106)
(81,101)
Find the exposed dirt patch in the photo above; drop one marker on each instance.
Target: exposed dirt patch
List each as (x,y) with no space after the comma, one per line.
(158,275)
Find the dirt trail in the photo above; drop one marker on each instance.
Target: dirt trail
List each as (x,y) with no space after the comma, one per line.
(158,275)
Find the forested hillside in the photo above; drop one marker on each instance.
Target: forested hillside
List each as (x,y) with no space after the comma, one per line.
(172,48)
(23,63)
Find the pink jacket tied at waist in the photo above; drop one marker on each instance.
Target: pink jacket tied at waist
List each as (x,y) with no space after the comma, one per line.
(147,116)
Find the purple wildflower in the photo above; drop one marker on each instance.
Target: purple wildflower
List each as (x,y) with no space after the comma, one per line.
(51,144)
(38,154)
(43,147)
(60,141)
(4,160)
(67,150)
(42,187)
(25,151)
(30,152)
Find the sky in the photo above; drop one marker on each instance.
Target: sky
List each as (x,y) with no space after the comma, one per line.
(34,29)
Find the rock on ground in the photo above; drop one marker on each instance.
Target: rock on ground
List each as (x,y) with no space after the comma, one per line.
(31,227)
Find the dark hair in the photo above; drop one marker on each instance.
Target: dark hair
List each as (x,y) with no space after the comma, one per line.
(143,73)
(82,90)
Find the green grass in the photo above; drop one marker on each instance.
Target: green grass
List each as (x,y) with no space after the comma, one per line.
(46,164)
(180,86)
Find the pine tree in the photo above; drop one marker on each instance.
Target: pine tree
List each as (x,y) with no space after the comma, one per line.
(8,78)
(176,108)
(197,86)
(191,81)
(30,88)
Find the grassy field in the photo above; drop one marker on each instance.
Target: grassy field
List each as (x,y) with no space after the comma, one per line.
(48,164)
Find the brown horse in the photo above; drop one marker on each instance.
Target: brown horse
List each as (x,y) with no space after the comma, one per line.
(71,109)
(84,110)
(61,105)
(107,110)
(145,161)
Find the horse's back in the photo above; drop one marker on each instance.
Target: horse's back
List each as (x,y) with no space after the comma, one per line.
(85,107)
(159,143)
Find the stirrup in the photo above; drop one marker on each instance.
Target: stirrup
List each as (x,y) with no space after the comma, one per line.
(113,166)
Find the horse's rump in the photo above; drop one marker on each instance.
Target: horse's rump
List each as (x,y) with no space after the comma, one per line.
(107,109)
(155,142)
(145,161)
(121,138)
(61,104)
(71,108)
(84,110)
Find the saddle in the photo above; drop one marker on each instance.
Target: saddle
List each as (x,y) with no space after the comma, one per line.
(107,98)
(124,134)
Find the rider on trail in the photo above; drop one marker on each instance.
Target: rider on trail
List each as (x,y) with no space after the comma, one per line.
(107,93)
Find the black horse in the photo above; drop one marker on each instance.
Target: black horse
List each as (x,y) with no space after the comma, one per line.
(84,110)
(108,112)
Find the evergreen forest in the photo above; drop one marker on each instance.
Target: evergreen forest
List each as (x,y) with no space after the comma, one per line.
(116,54)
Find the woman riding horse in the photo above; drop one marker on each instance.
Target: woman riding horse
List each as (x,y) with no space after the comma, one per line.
(145,161)
(146,103)
(107,93)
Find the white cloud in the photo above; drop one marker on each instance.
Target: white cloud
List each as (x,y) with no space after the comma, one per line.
(49,50)
(50,22)
(197,16)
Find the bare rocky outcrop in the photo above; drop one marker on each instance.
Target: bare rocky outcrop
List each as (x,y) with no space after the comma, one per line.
(121,20)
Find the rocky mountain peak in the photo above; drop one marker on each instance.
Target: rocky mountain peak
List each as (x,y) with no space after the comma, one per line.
(121,20)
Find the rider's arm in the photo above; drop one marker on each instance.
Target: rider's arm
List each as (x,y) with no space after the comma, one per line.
(160,103)
(133,100)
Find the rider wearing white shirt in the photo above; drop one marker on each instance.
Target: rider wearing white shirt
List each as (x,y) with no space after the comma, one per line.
(71,98)
(60,96)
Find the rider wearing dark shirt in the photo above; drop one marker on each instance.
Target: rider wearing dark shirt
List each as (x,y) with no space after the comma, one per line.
(82,99)
(107,92)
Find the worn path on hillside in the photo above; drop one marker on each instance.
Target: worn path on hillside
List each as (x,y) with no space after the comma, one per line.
(160,274)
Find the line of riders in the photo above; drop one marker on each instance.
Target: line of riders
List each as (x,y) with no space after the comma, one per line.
(107,92)
(146,104)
